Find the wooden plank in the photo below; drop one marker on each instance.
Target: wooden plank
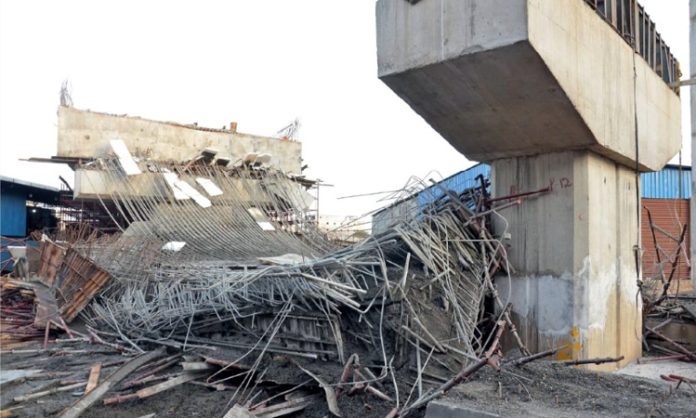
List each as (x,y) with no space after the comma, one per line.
(169,384)
(36,395)
(93,380)
(191,366)
(81,405)
(47,308)
(50,259)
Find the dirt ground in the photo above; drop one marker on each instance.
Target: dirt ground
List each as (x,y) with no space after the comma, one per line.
(545,390)
(187,400)
(538,389)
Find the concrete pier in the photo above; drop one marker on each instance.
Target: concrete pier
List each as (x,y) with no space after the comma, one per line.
(574,253)
(550,94)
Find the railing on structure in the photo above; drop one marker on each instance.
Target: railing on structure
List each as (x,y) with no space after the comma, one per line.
(631,21)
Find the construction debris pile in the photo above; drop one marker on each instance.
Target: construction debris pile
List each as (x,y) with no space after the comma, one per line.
(18,314)
(239,268)
(221,279)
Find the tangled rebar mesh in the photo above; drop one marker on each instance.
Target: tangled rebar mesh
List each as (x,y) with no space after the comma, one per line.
(253,252)
(253,213)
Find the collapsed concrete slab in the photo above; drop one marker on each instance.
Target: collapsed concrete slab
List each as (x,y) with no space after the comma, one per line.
(86,135)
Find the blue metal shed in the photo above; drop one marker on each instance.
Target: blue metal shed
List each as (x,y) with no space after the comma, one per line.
(13,212)
(672,182)
(457,183)
(14,194)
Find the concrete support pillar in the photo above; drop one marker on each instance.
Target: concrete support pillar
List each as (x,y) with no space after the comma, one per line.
(575,279)
(550,93)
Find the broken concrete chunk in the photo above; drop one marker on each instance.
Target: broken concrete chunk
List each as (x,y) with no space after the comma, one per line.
(172,180)
(124,157)
(289,259)
(194,194)
(261,219)
(263,159)
(211,188)
(173,246)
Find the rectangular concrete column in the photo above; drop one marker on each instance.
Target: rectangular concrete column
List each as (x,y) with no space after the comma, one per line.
(575,279)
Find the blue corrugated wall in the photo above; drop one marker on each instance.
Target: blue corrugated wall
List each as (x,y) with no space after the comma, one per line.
(665,184)
(13,221)
(662,184)
(13,213)
(457,183)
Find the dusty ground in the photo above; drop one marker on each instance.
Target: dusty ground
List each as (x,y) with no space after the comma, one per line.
(653,370)
(539,389)
(545,390)
(188,400)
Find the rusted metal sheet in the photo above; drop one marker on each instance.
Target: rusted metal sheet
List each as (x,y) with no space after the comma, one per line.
(50,261)
(79,280)
(670,215)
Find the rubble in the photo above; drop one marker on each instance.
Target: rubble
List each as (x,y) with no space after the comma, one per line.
(415,292)
(238,292)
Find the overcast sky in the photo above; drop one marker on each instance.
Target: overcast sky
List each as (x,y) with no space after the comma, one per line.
(261,63)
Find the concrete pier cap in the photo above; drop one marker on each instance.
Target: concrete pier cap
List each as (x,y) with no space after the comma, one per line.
(501,78)
(550,94)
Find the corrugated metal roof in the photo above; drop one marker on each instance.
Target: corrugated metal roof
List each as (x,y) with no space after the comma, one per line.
(665,184)
(28,184)
(662,184)
(456,183)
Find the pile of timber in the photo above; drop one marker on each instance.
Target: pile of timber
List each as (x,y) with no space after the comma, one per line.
(29,313)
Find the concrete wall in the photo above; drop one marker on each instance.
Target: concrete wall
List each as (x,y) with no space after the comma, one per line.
(573,253)
(500,78)
(87,134)
(96,184)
